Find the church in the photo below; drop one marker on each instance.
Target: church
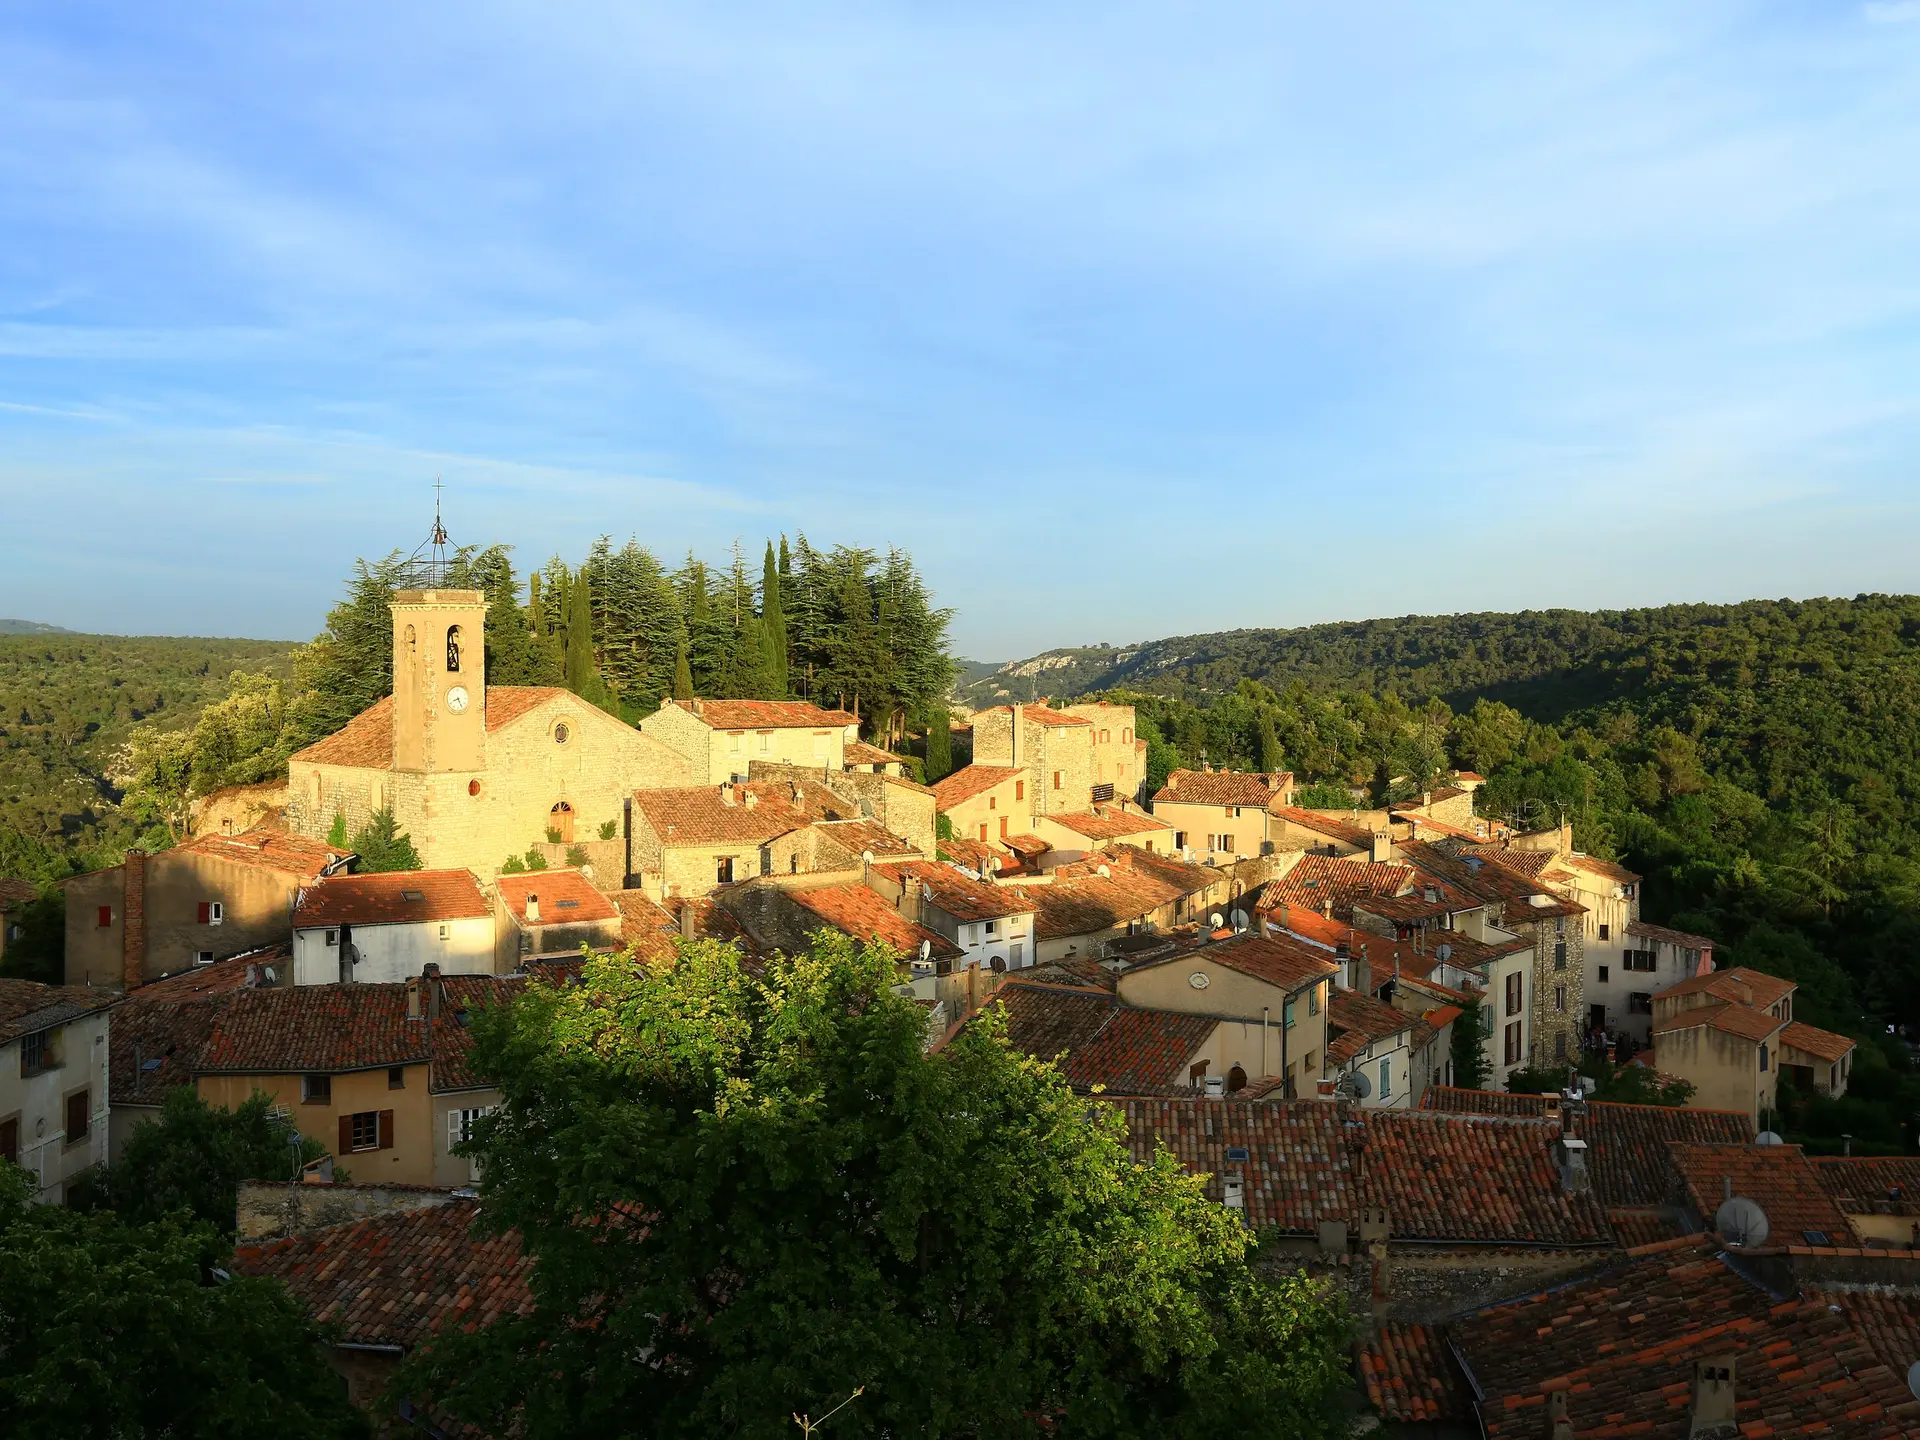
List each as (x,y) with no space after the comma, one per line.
(473,773)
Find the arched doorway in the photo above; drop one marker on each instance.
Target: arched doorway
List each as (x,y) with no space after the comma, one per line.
(560,823)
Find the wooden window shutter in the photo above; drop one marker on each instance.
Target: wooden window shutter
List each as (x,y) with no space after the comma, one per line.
(106,916)
(206,912)
(386,1129)
(346,1136)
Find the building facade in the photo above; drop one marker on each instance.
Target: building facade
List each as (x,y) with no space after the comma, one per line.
(53,1082)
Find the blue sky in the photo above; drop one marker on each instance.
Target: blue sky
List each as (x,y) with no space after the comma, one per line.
(1127,320)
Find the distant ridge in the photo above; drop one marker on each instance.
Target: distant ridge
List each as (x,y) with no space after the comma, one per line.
(30,627)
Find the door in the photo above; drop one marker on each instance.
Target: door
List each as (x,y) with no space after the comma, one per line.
(560,823)
(1596,1017)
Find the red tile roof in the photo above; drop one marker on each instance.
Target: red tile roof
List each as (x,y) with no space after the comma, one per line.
(1355,1021)
(265,850)
(958,895)
(1277,959)
(1317,881)
(17,892)
(1296,1172)
(566,897)
(1451,1100)
(1328,825)
(366,741)
(314,1028)
(969,781)
(1099,1043)
(721,814)
(1741,1020)
(154,1046)
(855,910)
(858,752)
(1859,1185)
(463,997)
(1738,986)
(397,897)
(1622,1345)
(1102,823)
(1779,1178)
(1680,939)
(1410,1377)
(649,930)
(1223,787)
(1087,904)
(765,715)
(398,1279)
(861,837)
(1823,1043)
(1606,869)
(1634,1228)
(1038,715)
(27,1006)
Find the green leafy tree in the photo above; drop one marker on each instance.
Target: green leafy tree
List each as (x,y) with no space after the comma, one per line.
(159,781)
(1639,1085)
(337,832)
(112,1329)
(939,743)
(38,951)
(829,1208)
(194,1156)
(349,665)
(382,846)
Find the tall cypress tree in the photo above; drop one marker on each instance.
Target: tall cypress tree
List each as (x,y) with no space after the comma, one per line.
(1270,757)
(682,675)
(773,622)
(939,744)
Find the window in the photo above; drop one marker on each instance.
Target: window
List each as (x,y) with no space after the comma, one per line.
(1226,844)
(37,1054)
(1179,839)
(1640,1002)
(446,931)
(203,957)
(333,938)
(1019,790)
(80,1115)
(1514,997)
(1513,1043)
(562,733)
(1386,1079)
(1560,998)
(460,1123)
(366,1130)
(993,928)
(766,742)
(453,649)
(1016,955)
(396,1077)
(1603,930)
(106,916)
(211,912)
(1286,1015)
(1763,1057)
(1313,1001)
(1236,811)
(1637,960)
(1560,955)
(1056,779)
(734,737)
(993,802)
(1603,974)
(983,830)
(723,869)
(1560,926)
(1126,736)
(1560,1045)
(10,1140)
(316,1089)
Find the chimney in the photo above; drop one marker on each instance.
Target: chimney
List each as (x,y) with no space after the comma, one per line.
(533,908)
(726,792)
(749,799)
(1559,1422)
(1573,1165)
(413,998)
(1362,972)
(1013,759)
(1712,1413)
(699,705)
(686,919)
(133,919)
(436,988)
(1382,850)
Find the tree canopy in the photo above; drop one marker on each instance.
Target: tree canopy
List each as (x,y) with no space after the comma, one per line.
(748,1198)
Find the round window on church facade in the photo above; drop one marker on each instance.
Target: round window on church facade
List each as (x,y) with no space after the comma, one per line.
(562,732)
(473,787)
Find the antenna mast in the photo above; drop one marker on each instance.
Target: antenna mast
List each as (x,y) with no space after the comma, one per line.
(426,568)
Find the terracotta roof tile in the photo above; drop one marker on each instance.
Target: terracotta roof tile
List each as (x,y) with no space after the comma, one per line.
(862,837)
(1099,1042)
(855,910)
(1858,1184)
(566,897)
(398,1279)
(314,1028)
(1088,904)
(1738,986)
(1331,826)
(155,1045)
(1291,1154)
(959,895)
(27,1006)
(765,715)
(396,897)
(1038,714)
(17,892)
(1680,939)
(1355,1021)
(462,999)
(1223,787)
(1823,1043)
(858,752)
(1888,1320)
(1623,1344)
(265,850)
(1634,1228)
(1779,1178)
(721,814)
(1410,1377)
(1317,881)
(1103,823)
(1279,960)
(1451,1100)
(1606,869)
(969,781)
(1741,1020)
(366,741)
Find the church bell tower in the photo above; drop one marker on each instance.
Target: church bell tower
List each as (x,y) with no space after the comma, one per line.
(439,668)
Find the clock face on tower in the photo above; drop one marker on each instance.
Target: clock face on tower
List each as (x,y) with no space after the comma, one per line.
(457,699)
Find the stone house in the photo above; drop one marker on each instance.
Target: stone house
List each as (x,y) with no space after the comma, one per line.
(986,803)
(860,757)
(686,841)
(552,914)
(472,773)
(719,740)
(1119,771)
(381,928)
(1054,747)
(1080,908)
(1650,958)
(53,1081)
(1730,1032)
(1074,835)
(904,807)
(991,924)
(1225,814)
(156,915)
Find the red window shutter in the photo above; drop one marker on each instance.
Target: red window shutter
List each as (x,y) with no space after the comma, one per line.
(386,1129)
(346,1136)
(1003,827)
(106,917)
(206,912)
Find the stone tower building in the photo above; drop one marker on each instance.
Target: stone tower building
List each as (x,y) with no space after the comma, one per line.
(439,681)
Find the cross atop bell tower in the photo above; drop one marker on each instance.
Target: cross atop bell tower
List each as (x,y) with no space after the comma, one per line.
(439,664)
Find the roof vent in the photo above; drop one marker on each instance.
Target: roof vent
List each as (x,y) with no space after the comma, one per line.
(413,897)
(1216,1087)
(1235,1197)
(1539,901)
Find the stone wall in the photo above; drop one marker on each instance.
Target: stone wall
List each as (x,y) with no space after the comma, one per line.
(1550,1021)
(269,1210)
(905,809)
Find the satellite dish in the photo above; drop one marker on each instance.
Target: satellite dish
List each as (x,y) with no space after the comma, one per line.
(1742,1222)
(1443,952)
(1353,1085)
(1768,1137)
(1217,919)
(926,949)
(866,857)
(1913,1379)
(1239,919)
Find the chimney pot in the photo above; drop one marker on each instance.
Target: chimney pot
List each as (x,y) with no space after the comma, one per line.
(533,908)
(1713,1381)
(413,998)
(133,919)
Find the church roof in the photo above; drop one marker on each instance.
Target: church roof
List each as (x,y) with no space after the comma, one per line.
(366,741)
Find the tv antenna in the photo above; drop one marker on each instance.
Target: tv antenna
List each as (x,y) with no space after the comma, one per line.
(426,568)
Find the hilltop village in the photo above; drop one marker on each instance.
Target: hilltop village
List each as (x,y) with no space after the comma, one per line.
(1319,1010)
